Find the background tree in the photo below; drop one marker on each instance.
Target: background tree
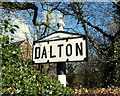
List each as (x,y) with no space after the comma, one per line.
(18,77)
(93,20)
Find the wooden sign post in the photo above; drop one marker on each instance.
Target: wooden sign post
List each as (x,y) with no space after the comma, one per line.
(60,47)
(61,67)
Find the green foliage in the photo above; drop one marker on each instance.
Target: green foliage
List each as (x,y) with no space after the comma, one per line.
(112,74)
(7,27)
(18,77)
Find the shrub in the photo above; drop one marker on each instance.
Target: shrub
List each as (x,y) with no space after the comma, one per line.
(18,77)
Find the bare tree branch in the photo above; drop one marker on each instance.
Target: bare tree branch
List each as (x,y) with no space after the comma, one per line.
(90,38)
(118,4)
(26,6)
(100,30)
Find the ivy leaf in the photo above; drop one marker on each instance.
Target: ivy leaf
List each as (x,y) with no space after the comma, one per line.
(12,38)
(6,21)
(6,25)
(9,19)
(0,27)
(16,26)
(12,30)
(6,30)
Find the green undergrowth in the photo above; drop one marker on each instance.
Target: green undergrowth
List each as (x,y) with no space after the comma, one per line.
(18,77)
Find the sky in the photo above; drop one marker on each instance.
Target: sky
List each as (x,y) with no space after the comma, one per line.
(27,29)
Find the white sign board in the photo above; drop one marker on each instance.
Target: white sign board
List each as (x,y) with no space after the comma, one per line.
(60,50)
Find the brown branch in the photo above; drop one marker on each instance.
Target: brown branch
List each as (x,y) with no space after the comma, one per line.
(79,15)
(118,4)
(26,6)
(100,30)
(20,6)
(91,39)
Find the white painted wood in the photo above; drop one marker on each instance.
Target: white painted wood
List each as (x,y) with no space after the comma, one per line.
(60,24)
(59,35)
(56,50)
(73,48)
(62,79)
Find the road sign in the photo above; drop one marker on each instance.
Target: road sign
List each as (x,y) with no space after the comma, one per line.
(60,47)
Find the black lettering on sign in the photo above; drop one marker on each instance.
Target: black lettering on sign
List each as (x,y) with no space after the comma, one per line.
(79,48)
(51,55)
(37,52)
(69,50)
(44,53)
(60,45)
